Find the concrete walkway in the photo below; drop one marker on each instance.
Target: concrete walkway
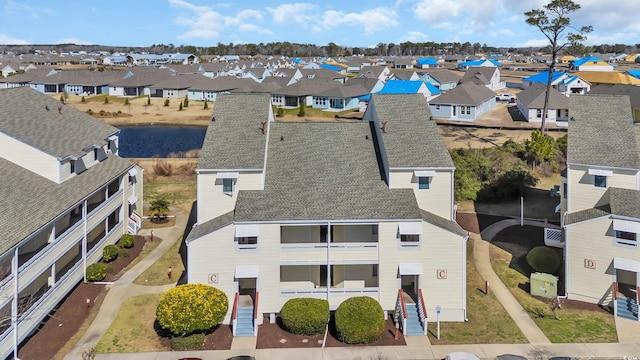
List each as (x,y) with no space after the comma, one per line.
(124,288)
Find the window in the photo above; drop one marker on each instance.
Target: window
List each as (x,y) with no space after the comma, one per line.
(538,113)
(374,270)
(626,238)
(423,183)
(320,100)
(600,181)
(409,234)
(227,186)
(409,238)
(249,240)
(564,190)
(466,110)
(72,166)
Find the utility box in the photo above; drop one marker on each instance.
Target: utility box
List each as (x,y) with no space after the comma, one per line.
(545,285)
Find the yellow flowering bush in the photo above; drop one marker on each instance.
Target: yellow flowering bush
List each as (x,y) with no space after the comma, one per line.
(189,308)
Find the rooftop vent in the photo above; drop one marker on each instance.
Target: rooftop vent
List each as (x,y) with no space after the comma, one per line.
(263,125)
(384,127)
(281,137)
(59,109)
(46,107)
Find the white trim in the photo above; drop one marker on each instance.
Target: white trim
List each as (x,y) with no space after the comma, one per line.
(410,268)
(600,172)
(626,264)
(227,175)
(132,199)
(247,231)
(424,173)
(133,171)
(410,228)
(626,226)
(247,271)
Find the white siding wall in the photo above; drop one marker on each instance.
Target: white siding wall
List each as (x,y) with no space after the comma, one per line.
(582,193)
(29,157)
(437,199)
(594,285)
(212,202)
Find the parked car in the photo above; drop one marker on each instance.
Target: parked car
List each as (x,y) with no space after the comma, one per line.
(506,97)
(461,355)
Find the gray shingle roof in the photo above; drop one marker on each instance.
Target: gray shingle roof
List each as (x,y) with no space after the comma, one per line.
(326,171)
(467,93)
(235,140)
(25,117)
(620,89)
(210,226)
(479,74)
(444,76)
(412,138)
(624,202)
(31,201)
(443,223)
(587,214)
(533,97)
(603,132)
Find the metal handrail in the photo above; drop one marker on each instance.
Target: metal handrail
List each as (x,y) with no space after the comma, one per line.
(403,307)
(234,314)
(422,303)
(615,290)
(255,315)
(423,311)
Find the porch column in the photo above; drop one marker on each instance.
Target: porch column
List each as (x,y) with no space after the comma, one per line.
(84,241)
(328,260)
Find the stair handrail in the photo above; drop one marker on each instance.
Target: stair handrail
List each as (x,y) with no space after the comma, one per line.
(402,311)
(422,311)
(255,314)
(615,290)
(234,314)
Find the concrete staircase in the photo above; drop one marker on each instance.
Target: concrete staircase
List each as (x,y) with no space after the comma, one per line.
(414,325)
(627,308)
(244,323)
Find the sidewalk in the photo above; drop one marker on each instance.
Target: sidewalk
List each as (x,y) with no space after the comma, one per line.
(124,288)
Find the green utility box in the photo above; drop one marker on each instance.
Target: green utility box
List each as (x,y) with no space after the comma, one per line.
(545,285)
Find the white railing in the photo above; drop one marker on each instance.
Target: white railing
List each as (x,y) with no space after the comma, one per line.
(332,291)
(333,245)
(354,245)
(300,246)
(422,312)
(400,315)
(553,237)
(134,223)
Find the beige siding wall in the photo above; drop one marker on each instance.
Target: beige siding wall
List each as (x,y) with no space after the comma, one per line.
(28,157)
(437,199)
(582,193)
(588,284)
(212,202)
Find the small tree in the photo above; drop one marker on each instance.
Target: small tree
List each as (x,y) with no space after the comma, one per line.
(126,101)
(280,112)
(149,100)
(301,112)
(106,100)
(166,102)
(553,22)
(541,147)
(206,105)
(62,99)
(180,107)
(186,101)
(82,100)
(159,207)
(189,308)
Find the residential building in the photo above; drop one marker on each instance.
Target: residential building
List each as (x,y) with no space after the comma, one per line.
(563,82)
(327,210)
(590,63)
(488,76)
(66,194)
(466,102)
(600,193)
(530,103)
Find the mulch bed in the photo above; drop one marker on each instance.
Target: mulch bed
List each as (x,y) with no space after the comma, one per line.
(65,321)
(220,338)
(273,336)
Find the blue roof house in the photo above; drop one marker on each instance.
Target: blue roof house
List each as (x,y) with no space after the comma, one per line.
(481,62)
(428,62)
(410,87)
(565,83)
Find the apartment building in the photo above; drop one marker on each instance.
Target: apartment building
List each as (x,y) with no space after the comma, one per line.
(65,194)
(328,210)
(599,203)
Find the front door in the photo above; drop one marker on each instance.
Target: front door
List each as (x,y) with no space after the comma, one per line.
(410,286)
(247,291)
(454,111)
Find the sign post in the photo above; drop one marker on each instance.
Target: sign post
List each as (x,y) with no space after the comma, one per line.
(438,309)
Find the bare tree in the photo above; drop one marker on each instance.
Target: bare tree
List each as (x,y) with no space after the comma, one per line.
(553,22)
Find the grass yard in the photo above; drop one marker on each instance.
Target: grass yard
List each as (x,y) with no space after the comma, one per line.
(309,113)
(179,188)
(488,323)
(156,274)
(578,325)
(132,330)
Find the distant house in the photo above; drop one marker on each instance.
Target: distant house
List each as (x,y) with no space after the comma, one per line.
(339,98)
(410,87)
(405,75)
(565,83)
(7,70)
(381,73)
(596,78)
(426,63)
(484,75)
(402,63)
(442,79)
(465,102)
(590,63)
(301,92)
(566,59)
(531,105)
(479,63)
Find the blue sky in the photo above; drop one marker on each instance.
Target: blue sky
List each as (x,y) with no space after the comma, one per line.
(345,22)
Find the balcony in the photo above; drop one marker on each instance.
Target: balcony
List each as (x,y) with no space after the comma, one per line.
(342,279)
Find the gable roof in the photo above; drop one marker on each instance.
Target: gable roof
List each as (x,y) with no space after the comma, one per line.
(479,74)
(602,132)
(411,139)
(607,77)
(234,140)
(543,77)
(584,60)
(533,97)
(444,76)
(624,202)
(467,93)
(58,133)
(620,89)
(401,87)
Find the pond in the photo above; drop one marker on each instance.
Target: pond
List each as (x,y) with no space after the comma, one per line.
(159,141)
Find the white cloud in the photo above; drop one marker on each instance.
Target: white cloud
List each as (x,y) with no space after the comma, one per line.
(204,22)
(73,41)
(438,13)
(297,13)
(414,36)
(372,19)
(9,40)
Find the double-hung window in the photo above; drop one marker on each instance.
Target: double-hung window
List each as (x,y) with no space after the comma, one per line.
(246,236)
(423,183)
(600,177)
(626,232)
(227,180)
(227,186)
(409,234)
(424,178)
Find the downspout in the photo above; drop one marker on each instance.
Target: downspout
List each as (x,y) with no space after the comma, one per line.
(84,240)
(465,239)
(328,280)
(14,304)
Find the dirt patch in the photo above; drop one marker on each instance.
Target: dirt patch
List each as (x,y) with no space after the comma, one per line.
(68,317)
(273,336)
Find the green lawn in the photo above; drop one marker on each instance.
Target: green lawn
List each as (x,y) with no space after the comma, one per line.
(156,274)
(575,325)
(489,322)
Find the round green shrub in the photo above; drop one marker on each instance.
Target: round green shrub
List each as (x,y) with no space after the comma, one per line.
(166,102)
(97,272)
(126,241)
(544,259)
(359,320)
(109,253)
(190,308)
(305,316)
(187,343)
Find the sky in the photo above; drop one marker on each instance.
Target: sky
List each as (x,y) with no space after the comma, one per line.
(354,23)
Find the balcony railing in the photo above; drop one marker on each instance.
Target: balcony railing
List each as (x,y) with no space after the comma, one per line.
(332,245)
(332,291)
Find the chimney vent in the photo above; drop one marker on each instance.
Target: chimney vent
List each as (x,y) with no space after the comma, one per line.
(281,137)
(263,126)
(366,137)
(384,127)
(46,107)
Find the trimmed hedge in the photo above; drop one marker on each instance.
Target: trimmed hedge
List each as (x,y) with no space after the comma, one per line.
(359,320)
(305,316)
(109,253)
(97,272)
(189,308)
(189,342)
(126,241)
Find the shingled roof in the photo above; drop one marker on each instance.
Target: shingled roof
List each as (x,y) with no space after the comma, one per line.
(33,118)
(411,138)
(602,132)
(533,97)
(234,139)
(467,93)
